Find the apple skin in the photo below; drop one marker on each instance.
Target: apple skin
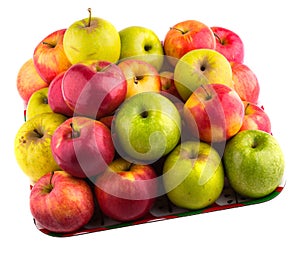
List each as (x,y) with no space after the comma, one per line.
(229,44)
(211,108)
(186,36)
(141,43)
(146,127)
(126,191)
(32,145)
(140,77)
(82,146)
(100,88)
(245,82)
(254,163)
(49,56)
(167,83)
(92,38)
(201,67)
(55,97)
(255,118)
(29,81)
(61,203)
(38,103)
(193,175)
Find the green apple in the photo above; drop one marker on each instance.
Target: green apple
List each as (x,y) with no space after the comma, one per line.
(254,163)
(200,67)
(193,175)
(38,103)
(143,44)
(92,38)
(146,127)
(32,145)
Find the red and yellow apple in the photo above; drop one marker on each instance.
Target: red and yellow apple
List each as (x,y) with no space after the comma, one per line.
(255,118)
(49,56)
(29,81)
(126,191)
(61,203)
(245,82)
(186,36)
(140,76)
(217,112)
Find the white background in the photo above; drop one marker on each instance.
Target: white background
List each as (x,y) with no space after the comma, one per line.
(271,37)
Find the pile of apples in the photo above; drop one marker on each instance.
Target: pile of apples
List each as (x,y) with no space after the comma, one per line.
(116,119)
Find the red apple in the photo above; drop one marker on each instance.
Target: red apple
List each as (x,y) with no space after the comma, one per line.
(100,88)
(82,146)
(55,97)
(140,76)
(245,82)
(217,112)
(61,203)
(186,36)
(49,57)
(167,83)
(29,81)
(126,191)
(255,118)
(229,44)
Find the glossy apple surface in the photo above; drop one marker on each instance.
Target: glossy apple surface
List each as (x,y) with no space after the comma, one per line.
(217,111)
(186,36)
(55,97)
(100,88)
(229,44)
(255,118)
(141,43)
(201,67)
(245,82)
(82,146)
(29,81)
(61,203)
(49,56)
(193,175)
(254,163)
(140,77)
(126,191)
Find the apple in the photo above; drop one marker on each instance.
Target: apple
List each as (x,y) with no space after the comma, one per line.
(254,163)
(255,118)
(126,191)
(229,44)
(217,111)
(143,44)
(186,36)
(82,146)
(167,83)
(92,38)
(38,103)
(193,175)
(140,76)
(100,88)
(61,203)
(49,56)
(55,97)
(32,145)
(146,127)
(245,82)
(29,81)
(200,67)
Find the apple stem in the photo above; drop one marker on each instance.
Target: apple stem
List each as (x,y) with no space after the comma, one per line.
(90,16)
(48,44)
(218,37)
(248,104)
(175,28)
(75,133)
(52,174)
(208,96)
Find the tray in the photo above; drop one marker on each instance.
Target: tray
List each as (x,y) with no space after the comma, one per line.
(163,209)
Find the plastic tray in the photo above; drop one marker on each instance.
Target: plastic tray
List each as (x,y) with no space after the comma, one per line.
(163,209)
